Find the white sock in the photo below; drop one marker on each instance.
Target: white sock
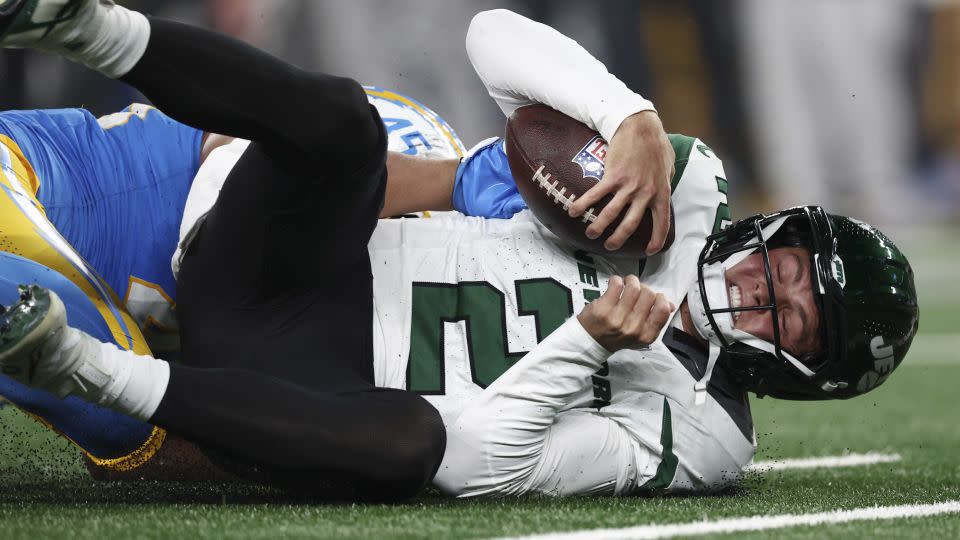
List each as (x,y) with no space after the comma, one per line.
(138,384)
(103,36)
(105,375)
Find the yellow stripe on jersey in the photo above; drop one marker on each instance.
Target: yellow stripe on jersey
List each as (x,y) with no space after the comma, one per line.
(17,165)
(28,233)
(25,231)
(426,113)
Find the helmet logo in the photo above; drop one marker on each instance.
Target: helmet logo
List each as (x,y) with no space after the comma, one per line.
(882,365)
(838,273)
(883,355)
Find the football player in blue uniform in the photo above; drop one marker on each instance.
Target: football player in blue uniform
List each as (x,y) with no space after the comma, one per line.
(90,208)
(102,240)
(375,442)
(290,170)
(98,203)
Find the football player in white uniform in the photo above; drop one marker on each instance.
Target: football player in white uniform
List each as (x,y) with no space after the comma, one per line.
(645,388)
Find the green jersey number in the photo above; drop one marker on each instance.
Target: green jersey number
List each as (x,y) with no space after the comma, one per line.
(483,309)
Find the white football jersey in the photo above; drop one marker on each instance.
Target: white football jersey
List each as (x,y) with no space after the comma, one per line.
(458,303)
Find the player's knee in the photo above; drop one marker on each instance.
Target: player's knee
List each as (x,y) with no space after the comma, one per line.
(416,455)
(426,442)
(349,125)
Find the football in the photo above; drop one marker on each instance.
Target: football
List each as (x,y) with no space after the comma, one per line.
(556,159)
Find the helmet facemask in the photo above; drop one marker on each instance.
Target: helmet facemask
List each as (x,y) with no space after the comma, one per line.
(761,365)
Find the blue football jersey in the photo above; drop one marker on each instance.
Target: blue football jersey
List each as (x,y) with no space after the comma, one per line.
(115,189)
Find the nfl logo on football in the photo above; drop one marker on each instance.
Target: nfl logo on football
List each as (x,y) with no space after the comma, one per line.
(590,158)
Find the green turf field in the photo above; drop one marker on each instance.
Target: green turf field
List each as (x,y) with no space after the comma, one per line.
(44,491)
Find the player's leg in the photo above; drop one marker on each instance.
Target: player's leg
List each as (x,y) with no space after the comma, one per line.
(382,443)
(310,128)
(253,268)
(278,277)
(106,438)
(374,443)
(291,224)
(222,85)
(287,317)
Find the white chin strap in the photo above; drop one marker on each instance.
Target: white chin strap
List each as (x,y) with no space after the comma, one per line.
(715,285)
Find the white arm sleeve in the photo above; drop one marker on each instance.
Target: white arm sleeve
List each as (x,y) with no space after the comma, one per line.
(522,62)
(514,438)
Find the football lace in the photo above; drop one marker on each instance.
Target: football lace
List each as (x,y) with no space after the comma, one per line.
(559,195)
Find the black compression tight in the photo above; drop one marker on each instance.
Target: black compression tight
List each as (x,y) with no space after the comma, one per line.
(367,443)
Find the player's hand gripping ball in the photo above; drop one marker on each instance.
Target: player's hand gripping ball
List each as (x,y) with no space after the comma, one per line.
(556,159)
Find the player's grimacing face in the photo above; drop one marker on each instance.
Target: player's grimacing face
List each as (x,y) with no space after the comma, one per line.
(798,315)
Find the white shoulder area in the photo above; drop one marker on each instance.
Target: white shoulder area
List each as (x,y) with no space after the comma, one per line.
(700,188)
(695,163)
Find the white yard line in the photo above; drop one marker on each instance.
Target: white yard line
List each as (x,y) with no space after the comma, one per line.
(753,523)
(848,460)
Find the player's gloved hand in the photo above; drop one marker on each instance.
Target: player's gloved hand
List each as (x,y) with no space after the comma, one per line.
(628,315)
(484,185)
(637,171)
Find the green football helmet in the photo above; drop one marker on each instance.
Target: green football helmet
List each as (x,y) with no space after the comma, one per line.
(864,288)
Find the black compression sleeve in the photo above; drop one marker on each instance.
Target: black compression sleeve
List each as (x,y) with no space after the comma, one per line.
(386,444)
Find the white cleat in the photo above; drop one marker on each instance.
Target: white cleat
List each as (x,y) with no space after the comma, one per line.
(38,349)
(29,331)
(96,33)
(79,30)
(54,25)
